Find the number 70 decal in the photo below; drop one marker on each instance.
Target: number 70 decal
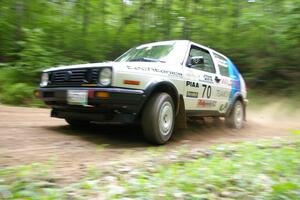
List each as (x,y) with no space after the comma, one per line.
(206,91)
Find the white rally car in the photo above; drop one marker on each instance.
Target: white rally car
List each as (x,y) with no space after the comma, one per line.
(157,85)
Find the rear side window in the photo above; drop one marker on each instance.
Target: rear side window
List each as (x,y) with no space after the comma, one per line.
(222,64)
(224,70)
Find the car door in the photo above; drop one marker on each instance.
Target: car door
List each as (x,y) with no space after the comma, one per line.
(200,86)
(223,87)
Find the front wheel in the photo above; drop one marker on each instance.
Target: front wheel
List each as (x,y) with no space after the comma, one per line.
(158,118)
(236,116)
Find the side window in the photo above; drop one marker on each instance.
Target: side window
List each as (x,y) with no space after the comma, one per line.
(222,64)
(208,65)
(224,70)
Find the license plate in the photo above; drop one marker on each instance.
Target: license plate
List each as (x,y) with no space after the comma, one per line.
(77,97)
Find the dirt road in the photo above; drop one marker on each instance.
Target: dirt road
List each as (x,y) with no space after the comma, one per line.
(29,135)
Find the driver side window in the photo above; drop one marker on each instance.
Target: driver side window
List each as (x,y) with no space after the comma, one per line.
(208,64)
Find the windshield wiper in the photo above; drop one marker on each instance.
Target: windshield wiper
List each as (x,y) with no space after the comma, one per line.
(144,59)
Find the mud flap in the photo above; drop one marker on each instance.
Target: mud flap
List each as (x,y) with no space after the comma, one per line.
(245,103)
(180,121)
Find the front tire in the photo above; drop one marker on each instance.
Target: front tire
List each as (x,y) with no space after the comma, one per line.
(236,116)
(158,118)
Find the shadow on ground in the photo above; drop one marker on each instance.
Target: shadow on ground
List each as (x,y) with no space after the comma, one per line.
(131,136)
(116,136)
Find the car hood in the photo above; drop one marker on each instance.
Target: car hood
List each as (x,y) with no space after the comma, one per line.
(87,65)
(116,65)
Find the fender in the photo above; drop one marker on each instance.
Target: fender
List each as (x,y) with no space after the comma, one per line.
(163,86)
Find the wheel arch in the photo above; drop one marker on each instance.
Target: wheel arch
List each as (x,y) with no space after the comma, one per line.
(163,86)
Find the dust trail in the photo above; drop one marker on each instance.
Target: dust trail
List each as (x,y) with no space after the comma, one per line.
(280,114)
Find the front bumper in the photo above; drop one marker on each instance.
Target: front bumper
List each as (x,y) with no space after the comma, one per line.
(121,105)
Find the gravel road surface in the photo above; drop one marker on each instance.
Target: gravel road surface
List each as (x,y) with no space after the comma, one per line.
(30,135)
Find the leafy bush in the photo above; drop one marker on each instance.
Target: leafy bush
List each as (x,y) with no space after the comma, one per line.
(19,78)
(17,94)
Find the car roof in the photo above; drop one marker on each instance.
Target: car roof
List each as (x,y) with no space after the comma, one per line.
(166,42)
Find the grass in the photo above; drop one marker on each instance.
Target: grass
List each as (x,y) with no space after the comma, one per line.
(28,182)
(261,170)
(245,171)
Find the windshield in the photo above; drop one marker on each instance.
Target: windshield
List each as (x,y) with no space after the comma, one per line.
(154,53)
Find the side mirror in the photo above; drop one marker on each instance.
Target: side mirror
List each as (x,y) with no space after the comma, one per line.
(197,60)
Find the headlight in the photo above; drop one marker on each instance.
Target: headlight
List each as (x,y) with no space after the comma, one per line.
(105,76)
(44,79)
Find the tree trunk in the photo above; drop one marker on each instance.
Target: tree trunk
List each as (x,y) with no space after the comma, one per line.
(142,20)
(19,9)
(186,24)
(85,19)
(236,15)
(166,19)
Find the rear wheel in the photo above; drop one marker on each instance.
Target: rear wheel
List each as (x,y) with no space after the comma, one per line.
(77,123)
(158,118)
(236,116)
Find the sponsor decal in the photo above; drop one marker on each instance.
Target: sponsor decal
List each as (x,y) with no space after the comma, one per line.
(222,93)
(192,84)
(206,103)
(156,70)
(192,94)
(207,79)
(226,81)
(223,107)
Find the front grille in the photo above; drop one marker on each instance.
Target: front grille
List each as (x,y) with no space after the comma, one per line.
(73,77)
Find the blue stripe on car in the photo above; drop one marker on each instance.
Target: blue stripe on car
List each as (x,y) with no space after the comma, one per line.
(235,77)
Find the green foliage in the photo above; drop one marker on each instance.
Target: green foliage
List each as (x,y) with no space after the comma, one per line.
(262,37)
(296,132)
(21,77)
(17,94)
(14,89)
(245,171)
(34,54)
(28,182)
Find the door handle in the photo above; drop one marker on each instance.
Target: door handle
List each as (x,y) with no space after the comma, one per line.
(217,79)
